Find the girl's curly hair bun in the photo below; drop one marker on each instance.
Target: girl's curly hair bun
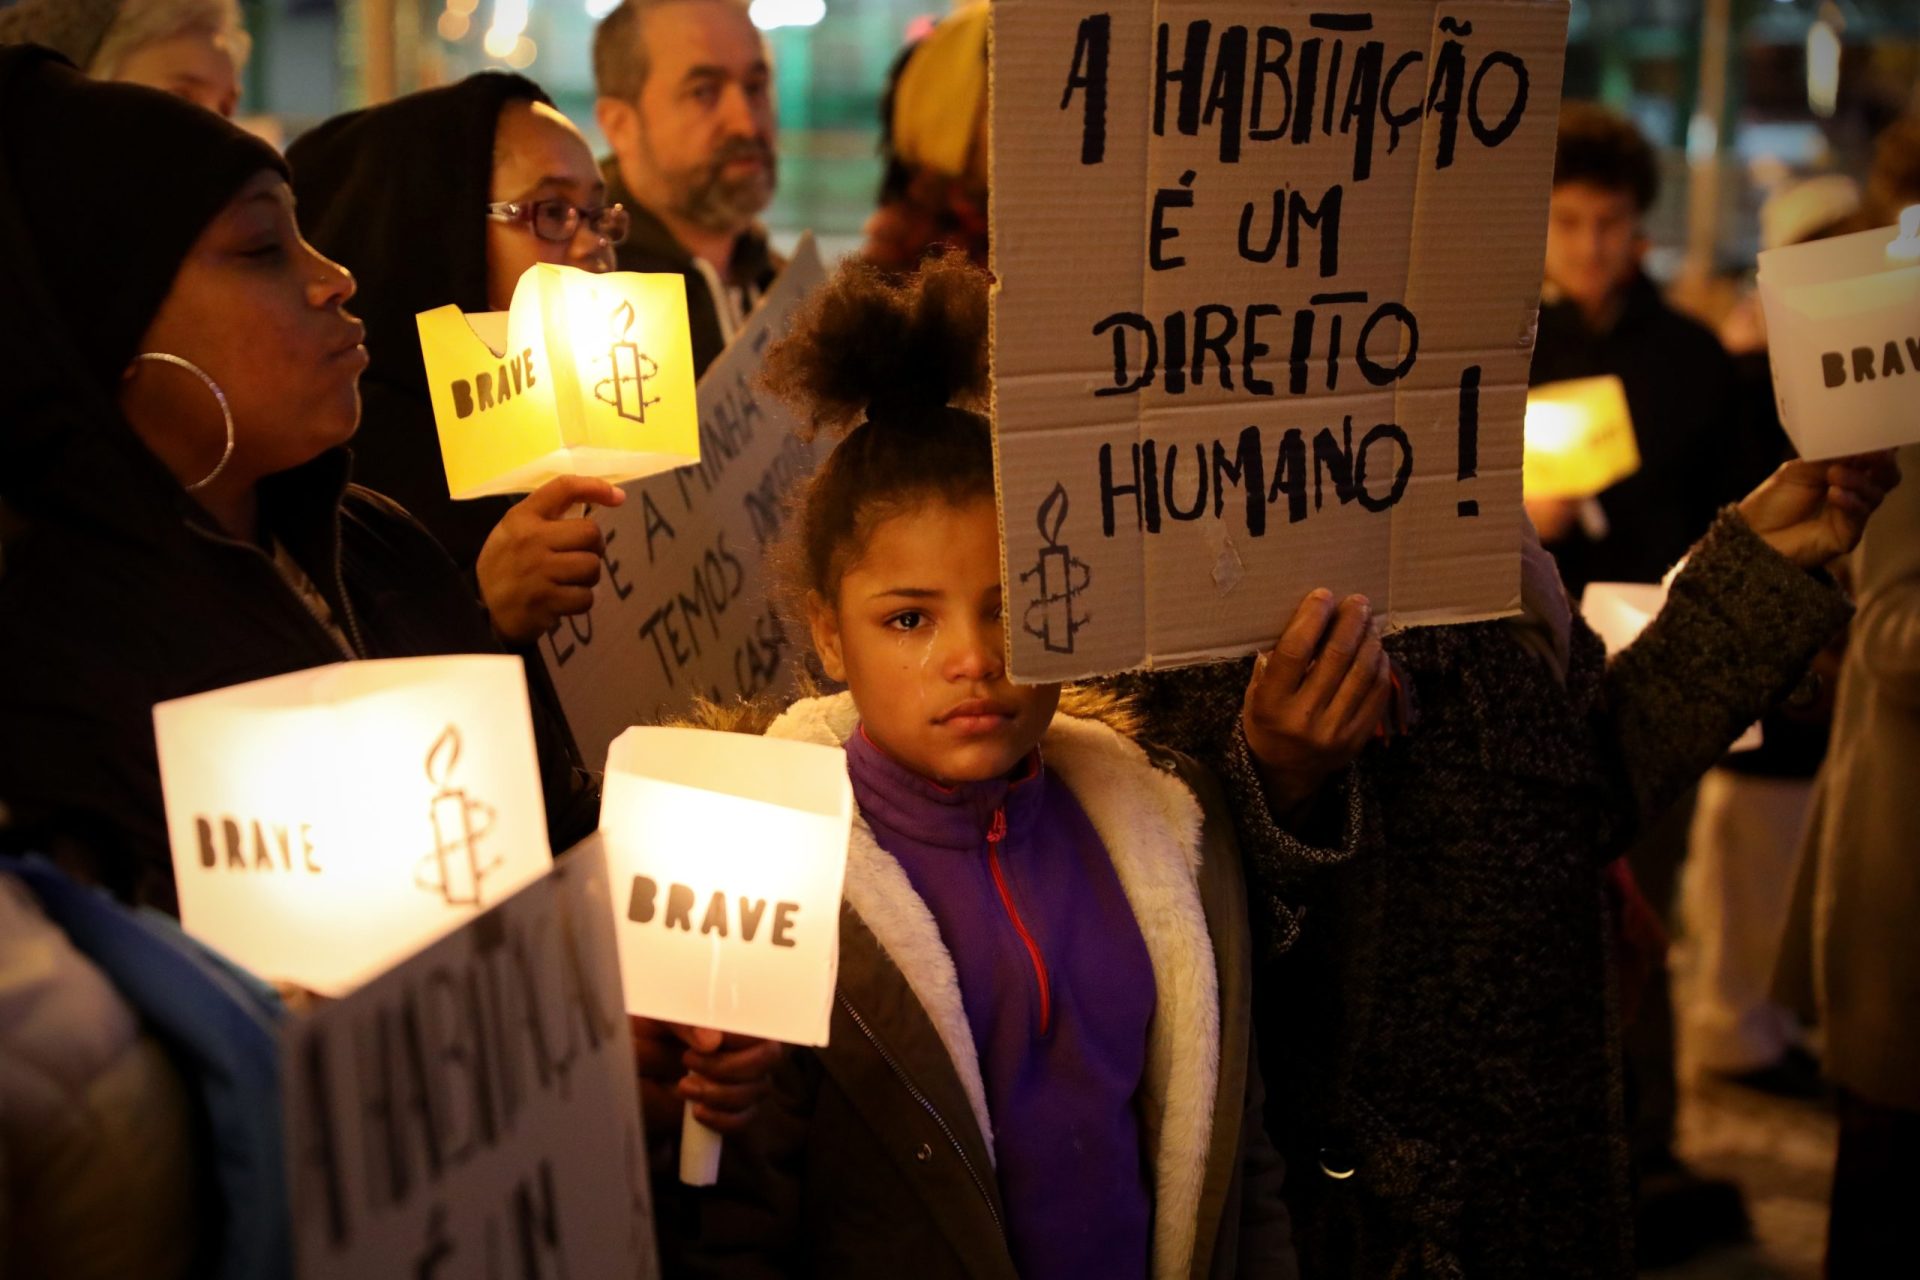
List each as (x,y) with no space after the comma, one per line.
(869,346)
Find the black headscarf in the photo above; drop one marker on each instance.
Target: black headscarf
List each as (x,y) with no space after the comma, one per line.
(397,194)
(84,269)
(86,259)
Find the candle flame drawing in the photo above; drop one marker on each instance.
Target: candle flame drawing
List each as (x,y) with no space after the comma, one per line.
(454,869)
(1051,617)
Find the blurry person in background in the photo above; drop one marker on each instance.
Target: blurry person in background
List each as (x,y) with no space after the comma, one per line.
(1849,959)
(686,102)
(1893,183)
(1745,836)
(933,138)
(448,196)
(193,49)
(1601,314)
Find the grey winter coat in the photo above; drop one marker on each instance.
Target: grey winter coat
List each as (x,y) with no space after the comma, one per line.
(1443,1036)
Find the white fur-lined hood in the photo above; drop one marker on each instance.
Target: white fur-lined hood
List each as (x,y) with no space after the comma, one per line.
(1151,826)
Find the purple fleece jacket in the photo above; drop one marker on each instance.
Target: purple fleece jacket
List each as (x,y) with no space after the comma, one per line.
(1058,991)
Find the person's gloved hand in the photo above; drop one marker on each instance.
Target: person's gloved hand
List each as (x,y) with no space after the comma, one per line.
(1316,698)
(539,565)
(1813,512)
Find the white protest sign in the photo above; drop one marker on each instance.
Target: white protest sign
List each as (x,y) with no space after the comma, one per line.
(327,822)
(728,854)
(1843,337)
(474,1110)
(1267,275)
(682,608)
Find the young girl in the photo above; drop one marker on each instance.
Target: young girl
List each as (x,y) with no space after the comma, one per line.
(1039,1061)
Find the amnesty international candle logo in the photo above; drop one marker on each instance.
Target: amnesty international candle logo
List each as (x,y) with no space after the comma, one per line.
(625,387)
(454,869)
(1062,579)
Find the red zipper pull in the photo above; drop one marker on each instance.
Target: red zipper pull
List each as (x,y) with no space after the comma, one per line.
(997,832)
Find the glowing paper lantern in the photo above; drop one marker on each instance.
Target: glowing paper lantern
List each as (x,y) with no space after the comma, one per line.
(1579,438)
(727,854)
(1843,336)
(586,374)
(326,823)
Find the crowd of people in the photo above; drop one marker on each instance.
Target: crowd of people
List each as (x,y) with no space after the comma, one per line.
(1345,960)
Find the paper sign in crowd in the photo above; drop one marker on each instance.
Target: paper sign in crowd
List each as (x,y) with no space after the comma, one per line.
(1267,275)
(682,609)
(472,1111)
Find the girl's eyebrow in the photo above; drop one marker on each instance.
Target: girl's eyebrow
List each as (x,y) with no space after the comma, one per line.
(908,593)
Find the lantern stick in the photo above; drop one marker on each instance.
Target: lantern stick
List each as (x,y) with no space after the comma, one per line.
(699,1152)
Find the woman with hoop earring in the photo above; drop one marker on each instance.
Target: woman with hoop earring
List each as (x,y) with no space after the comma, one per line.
(180,383)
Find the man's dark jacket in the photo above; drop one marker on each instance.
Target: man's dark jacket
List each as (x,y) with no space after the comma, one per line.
(650,247)
(1684,397)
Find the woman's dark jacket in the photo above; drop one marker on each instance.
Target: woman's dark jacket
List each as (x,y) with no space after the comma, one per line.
(116,594)
(398,194)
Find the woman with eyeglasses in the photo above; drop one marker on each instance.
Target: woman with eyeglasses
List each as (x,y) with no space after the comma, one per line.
(448,196)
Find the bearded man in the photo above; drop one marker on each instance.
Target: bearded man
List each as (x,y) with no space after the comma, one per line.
(686,103)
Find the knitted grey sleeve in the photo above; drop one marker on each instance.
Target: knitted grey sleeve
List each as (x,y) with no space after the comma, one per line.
(1740,625)
(1196,710)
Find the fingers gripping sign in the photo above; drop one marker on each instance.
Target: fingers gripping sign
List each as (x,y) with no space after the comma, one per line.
(1316,697)
(541,562)
(1813,512)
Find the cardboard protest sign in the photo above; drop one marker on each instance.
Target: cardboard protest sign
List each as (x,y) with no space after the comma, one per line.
(588,375)
(473,1111)
(327,822)
(728,851)
(1579,438)
(1843,336)
(682,607)
(1267,276)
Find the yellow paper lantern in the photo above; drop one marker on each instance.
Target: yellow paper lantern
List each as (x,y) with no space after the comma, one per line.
(586,374)
(326,823)
(1579,438)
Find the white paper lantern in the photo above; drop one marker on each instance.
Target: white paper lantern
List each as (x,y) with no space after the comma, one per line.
(1843,337)
(326,823)
(728,852)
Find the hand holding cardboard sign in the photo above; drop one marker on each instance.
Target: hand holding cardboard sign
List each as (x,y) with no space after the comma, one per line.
(1813,512)
(1316,698)
(538,565)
